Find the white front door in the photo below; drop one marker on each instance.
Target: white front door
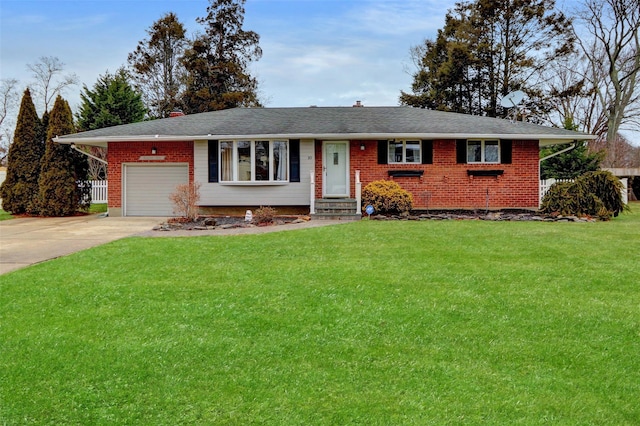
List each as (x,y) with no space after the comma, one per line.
(335,167)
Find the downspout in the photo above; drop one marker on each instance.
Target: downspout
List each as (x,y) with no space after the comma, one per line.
(73,146)
(573,145)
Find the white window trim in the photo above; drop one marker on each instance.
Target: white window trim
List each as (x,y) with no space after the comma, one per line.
(252,154)
(483,151)
(404,151)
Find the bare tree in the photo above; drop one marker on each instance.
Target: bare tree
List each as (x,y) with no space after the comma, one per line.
(97,169)
(49,81)
(612,52)
(624,154)
(8,105)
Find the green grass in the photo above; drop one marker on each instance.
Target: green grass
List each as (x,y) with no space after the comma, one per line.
(98,208)
(372,323)
(5,215)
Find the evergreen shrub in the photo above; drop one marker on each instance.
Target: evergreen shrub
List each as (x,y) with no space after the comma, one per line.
(19,191)
(595,194)
(63,189)
(387,196)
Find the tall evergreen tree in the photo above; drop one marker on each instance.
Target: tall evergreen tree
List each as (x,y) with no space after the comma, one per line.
(156,68)
(19,191)
(487,49)
(111,102)
(217,62)
(64,171)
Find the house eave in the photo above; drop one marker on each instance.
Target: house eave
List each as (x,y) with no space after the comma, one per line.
(544,139)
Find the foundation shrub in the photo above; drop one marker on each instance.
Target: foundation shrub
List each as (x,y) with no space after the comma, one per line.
(264,215)
(387,197)
(185,200)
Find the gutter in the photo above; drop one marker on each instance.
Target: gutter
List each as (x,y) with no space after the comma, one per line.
(103,140)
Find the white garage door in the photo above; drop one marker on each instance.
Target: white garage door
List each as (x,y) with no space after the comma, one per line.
(147,188)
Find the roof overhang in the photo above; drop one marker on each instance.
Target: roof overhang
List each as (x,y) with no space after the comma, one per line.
(544,140)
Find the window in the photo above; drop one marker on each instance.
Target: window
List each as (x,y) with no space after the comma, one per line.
(254,161)
(404,152)
(481,151)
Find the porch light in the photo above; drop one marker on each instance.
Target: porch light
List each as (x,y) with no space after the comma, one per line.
(362,146)
(154,150)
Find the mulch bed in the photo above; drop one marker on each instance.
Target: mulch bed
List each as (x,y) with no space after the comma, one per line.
(504,215)
(208,223)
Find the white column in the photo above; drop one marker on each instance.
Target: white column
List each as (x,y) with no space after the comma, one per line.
(312,197)
(358,193)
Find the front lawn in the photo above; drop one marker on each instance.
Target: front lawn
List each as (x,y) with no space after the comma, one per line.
(372,323)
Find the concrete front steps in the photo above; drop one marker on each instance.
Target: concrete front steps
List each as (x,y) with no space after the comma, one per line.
(336,209)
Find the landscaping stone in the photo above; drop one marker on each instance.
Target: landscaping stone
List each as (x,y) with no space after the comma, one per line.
(491,216)
(209,223)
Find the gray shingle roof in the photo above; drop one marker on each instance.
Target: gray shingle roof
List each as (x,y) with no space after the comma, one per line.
(324,123)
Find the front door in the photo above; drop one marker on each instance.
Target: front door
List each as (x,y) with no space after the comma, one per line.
(335,166)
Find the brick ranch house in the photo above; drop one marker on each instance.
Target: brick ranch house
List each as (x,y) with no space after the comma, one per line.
(295,159)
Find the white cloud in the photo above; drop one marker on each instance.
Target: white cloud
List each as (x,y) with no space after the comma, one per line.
(400,18)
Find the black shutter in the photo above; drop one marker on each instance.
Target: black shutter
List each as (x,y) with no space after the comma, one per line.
(505,151)
(427,152)
(383,152)
(294,160)
(213,161)
(461,151)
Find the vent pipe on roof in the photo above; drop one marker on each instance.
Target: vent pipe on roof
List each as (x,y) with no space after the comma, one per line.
(358,104)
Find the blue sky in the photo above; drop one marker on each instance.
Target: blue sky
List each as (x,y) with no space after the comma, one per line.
(315,52)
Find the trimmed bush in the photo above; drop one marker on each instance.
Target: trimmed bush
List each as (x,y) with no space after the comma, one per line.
(387,196)
(595,194)
(19,191)
(63,186)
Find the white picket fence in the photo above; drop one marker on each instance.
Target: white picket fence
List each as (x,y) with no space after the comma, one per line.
(99,191)
(546,184)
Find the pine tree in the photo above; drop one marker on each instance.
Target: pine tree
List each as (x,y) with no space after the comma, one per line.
(217,62)
(63,169)
(571,164)
(486,50)
(19,191)
(156,69)
(111,102)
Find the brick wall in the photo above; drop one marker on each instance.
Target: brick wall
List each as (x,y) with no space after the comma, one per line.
(446,184)
(131,152)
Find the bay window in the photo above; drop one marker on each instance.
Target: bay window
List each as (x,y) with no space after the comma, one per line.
(254,161)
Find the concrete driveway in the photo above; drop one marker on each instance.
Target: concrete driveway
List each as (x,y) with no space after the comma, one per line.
(26,241)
